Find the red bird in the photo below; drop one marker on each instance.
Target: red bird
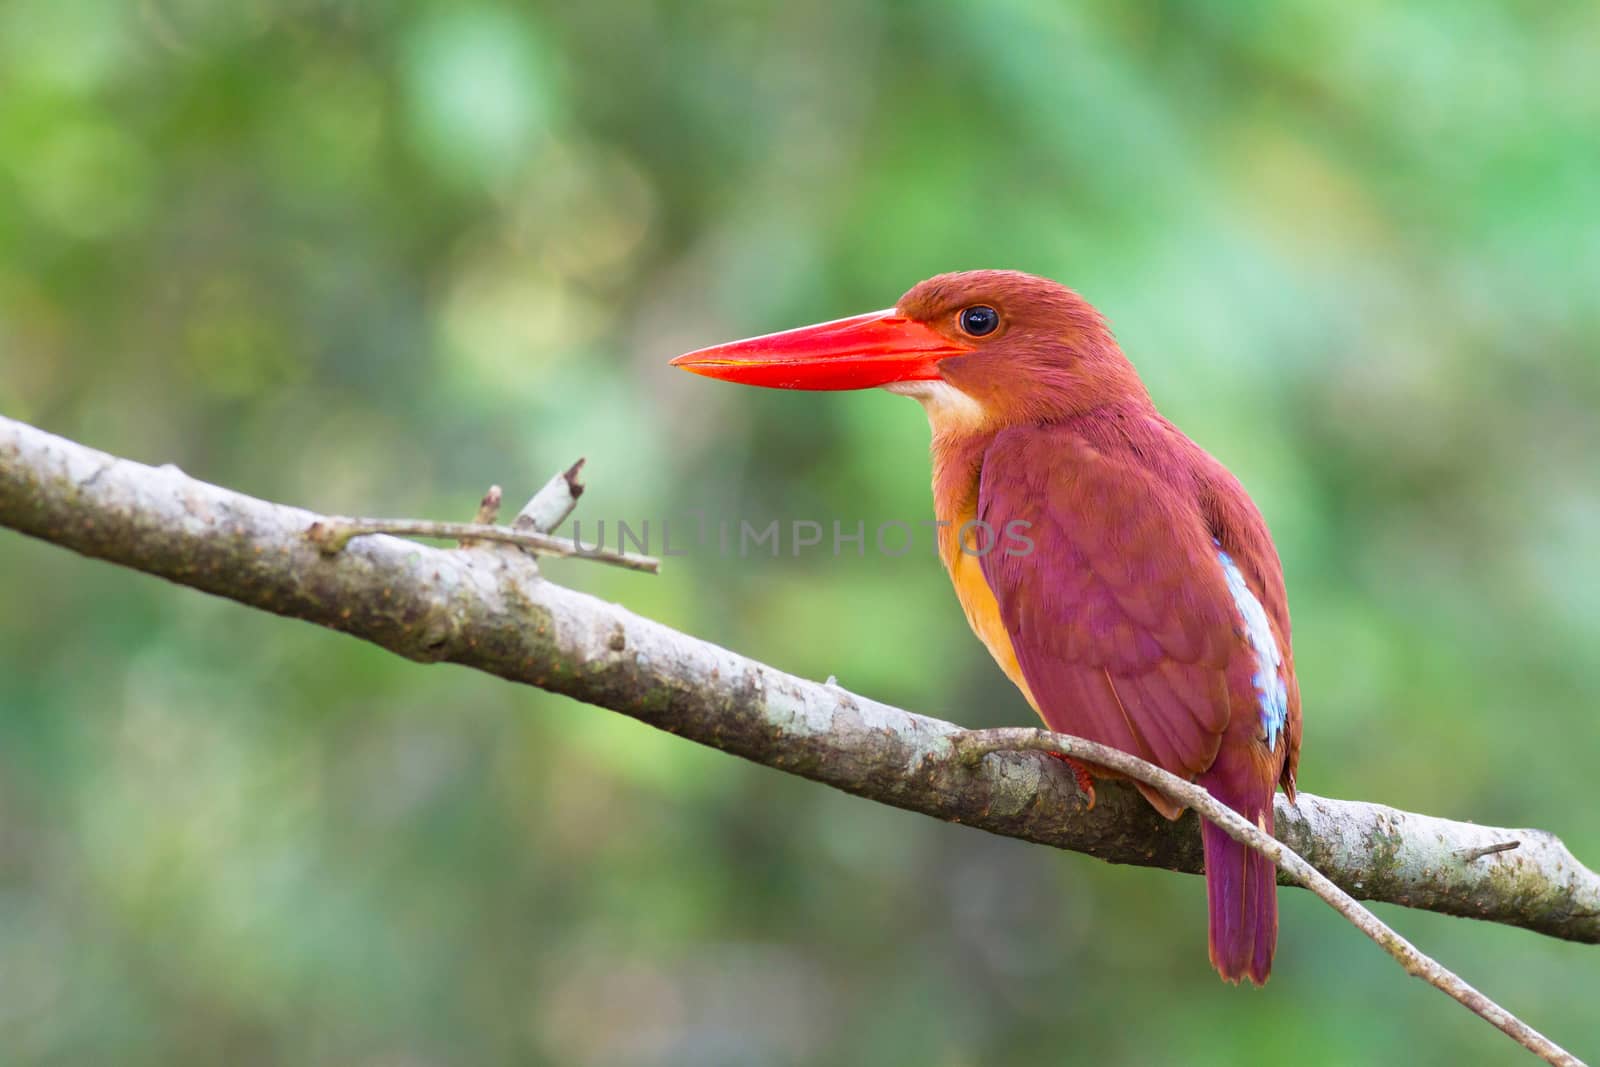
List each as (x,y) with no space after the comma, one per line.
(1138,600)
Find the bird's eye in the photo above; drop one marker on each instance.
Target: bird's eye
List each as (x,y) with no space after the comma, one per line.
(979,320)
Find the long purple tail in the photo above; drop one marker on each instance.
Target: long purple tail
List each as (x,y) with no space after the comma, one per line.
(1241,884)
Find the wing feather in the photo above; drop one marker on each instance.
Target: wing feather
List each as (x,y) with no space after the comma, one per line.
(1120,617)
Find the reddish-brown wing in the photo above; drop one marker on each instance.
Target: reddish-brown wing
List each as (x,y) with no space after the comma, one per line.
(1120,615)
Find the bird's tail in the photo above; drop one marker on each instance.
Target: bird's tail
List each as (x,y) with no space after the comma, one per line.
(1241,883)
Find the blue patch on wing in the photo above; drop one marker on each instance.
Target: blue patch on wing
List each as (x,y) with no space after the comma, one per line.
(1273,694)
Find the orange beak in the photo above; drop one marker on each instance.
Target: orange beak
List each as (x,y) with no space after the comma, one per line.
(861,352)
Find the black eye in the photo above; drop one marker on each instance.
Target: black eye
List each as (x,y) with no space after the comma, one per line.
(979,319)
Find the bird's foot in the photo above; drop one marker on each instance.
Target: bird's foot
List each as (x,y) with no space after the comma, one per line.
(1081,773)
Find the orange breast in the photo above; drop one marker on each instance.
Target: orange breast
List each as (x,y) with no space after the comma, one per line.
(960,435)
(977,599)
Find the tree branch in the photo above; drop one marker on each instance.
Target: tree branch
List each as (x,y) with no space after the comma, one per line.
(333,533)
(974,745)
(490,611)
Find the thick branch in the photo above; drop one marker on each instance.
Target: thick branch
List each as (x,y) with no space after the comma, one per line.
(488,610)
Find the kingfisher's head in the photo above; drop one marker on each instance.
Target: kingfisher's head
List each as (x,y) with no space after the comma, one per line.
(981,349)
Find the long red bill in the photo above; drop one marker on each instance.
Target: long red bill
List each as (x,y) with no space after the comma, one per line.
(860,352)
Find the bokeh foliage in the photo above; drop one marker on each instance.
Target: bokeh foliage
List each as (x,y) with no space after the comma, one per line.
(371,257)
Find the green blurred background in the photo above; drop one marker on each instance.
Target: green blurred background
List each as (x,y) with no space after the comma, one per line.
(373,257)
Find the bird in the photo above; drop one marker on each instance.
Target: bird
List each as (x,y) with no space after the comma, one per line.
(1120,576)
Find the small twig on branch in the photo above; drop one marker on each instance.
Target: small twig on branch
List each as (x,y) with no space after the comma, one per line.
(489,507)
(488,512)
(972,746)
(544,511)
(1470,854)
(333,533)
(551,505)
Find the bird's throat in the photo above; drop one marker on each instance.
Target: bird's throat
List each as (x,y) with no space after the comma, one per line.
(951,412)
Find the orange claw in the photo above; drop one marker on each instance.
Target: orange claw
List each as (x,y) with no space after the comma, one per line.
(1081,773)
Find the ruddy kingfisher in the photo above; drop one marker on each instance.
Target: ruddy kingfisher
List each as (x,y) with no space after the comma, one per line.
(1150,613)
